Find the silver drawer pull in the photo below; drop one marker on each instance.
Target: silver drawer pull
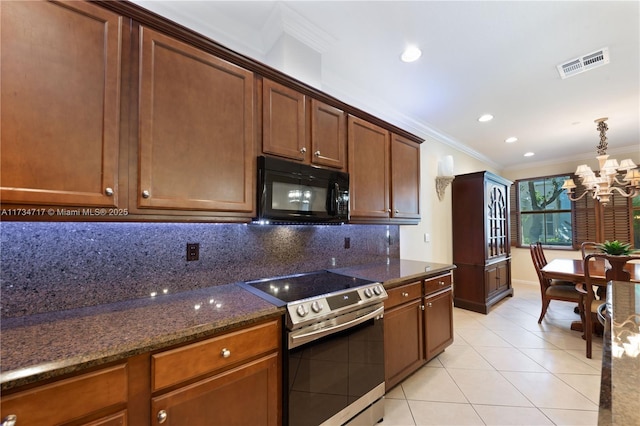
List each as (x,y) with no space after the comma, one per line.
(226,353)
(108,191)
(162,416)
(405,294)
(429,305)
(441,283)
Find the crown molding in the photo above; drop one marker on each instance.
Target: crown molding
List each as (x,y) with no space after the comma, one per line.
(284,19)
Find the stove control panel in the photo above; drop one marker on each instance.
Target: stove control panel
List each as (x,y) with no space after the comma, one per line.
(323,307)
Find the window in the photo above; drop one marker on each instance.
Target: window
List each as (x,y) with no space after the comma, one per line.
(541,211)
(544,212)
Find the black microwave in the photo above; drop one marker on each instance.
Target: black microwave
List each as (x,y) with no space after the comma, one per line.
(291,192)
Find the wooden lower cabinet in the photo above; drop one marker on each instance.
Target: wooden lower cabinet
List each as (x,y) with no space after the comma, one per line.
(438,322)
(95,398)
(403,331)
(418,325)
(245,395)
(230,379)
(233,378)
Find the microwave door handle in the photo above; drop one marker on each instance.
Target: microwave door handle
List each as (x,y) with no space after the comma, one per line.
(336,198)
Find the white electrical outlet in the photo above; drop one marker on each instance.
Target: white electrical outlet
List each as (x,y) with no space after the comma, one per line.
(427,238)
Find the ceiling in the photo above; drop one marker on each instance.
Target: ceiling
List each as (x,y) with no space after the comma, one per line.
(496,57)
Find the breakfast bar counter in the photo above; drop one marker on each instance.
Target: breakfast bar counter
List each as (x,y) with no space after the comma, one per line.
(620,381)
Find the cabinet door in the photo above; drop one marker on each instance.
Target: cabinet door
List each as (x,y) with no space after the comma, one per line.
(504,276)
(405,178)
(498,277)
(196,129)
(59,122)
(402,342)
(368,149)
(283,121)
(492,279)
(71,399)
(497,211)
(328,135)
(246,395)
(438,319)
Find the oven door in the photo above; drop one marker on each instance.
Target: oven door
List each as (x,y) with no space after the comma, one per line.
(338,372)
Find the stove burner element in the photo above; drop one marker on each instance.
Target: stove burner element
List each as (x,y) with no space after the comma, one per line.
(316,296)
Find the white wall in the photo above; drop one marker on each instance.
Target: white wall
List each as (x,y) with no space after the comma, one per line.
(436,214)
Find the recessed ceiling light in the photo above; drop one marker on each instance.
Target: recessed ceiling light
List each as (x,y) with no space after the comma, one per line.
(512,139)
(529,154)
(484,118)
(411,54)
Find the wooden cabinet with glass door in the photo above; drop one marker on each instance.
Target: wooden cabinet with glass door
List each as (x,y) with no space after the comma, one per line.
(481,245)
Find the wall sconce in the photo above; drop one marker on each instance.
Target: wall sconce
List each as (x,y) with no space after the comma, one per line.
(445,175)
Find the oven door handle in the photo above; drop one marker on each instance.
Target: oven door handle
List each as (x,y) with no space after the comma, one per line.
(301,339)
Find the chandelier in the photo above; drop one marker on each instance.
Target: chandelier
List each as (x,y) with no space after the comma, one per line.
(623,178)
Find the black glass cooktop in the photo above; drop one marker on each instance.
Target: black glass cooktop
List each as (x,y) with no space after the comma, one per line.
(282,290)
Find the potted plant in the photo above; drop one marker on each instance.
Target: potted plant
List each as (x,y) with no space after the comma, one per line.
(615,248)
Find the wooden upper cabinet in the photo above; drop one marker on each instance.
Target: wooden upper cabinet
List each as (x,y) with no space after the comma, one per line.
(328,135)
(405,178)
(60,69)
(196,129)
(283,121)
(368,147)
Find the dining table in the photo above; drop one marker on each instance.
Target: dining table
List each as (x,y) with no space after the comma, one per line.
(573,270)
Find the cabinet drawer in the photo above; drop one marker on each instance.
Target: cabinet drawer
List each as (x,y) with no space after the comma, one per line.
(436,284)
(69,399)
(403,294)
(177,365)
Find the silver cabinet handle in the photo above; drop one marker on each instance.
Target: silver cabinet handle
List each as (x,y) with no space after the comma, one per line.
(396,211)
(303,150)
(441,283)
(146,194)
(405,294)
(429,305)
(317,153)
(162,416)
(388,210)
(10,420)
(226,353)
(108,191)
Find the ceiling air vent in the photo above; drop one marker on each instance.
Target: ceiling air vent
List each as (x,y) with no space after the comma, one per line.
(584,63)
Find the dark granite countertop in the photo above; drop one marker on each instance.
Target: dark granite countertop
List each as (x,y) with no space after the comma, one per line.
(43,346)
(620,381)
(396,271)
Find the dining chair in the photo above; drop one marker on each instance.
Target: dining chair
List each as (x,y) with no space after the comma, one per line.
(588,247)
(564,291)
(614,271)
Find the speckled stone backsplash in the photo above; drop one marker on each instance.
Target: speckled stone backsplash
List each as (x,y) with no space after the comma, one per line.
(56,266)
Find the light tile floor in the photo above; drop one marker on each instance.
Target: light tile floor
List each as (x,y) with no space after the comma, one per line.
(505,369)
